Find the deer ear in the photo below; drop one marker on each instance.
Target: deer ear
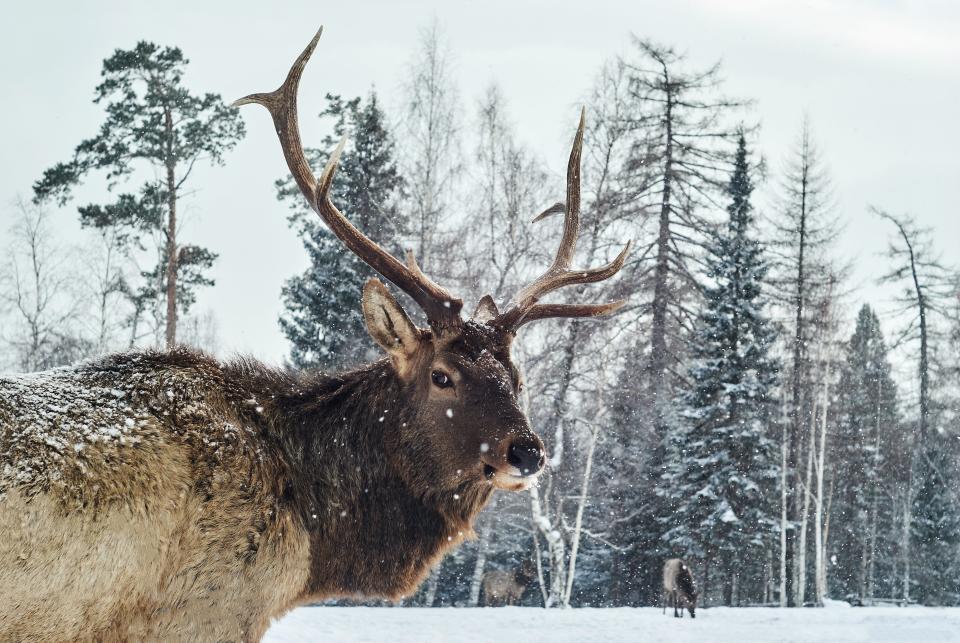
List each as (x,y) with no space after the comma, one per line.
(388,324)
(485,311)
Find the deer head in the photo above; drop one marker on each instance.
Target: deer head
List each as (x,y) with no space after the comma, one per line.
(458,373)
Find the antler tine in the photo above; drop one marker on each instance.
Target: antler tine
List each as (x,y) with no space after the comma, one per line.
(524,307)
(571,222)
(547,311)
(282,105)
(442,309)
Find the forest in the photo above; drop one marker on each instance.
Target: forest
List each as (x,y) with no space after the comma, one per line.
(738,411)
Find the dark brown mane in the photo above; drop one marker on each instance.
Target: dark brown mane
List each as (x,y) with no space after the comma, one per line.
(356,484)
(331,455)
(685,581)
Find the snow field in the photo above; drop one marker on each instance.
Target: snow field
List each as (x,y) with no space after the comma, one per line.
(636,625)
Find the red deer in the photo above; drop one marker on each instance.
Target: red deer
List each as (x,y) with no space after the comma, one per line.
(170,496)
(679,588)
(502,587)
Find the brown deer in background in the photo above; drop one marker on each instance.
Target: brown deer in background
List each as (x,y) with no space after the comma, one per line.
(502,587)
(679,588)
(170,496)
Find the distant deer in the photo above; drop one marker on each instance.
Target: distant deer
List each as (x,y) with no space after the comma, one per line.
(502,587)
(169,496)
(679,588)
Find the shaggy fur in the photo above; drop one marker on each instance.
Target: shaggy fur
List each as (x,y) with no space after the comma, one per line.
(507,587)
(679,588)
(167,496)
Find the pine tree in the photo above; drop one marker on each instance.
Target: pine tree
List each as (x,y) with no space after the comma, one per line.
(152,119)
(721,466)
(866,431)
(323,320)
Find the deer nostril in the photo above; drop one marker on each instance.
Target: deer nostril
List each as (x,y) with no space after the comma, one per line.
(528,458)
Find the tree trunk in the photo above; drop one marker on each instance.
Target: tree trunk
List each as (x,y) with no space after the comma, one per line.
(801,579)
(171,329)
(905,534)
(545,523)
(430,595)
(545,509)
(820,542)
(706,580)
(874,501)
(826,540)
(479,565)
(581,504)
(106,289)
(658,329)
(736,584)
(864,556)
(924,361)
(544,593)
(921,442)
(798,423)
(784,499)
(585,485)
(768,576)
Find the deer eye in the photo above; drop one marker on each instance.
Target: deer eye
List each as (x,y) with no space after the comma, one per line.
(441,379)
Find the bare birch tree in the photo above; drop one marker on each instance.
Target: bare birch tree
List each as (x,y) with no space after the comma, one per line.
(804,232)
(431,139)
(563,372)
(106,267)
(40,291)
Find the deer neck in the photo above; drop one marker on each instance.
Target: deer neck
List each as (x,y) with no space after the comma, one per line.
(370,534)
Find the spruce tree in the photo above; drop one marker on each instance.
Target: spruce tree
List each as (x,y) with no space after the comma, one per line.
(721,466)
(322,319)
(936,523)
(866,430)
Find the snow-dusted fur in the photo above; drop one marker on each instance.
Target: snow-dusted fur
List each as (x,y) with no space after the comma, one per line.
(167,496)
(679,589)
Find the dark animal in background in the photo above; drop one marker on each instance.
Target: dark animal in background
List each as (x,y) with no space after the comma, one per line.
(506,587)
(169,496)
(679,588)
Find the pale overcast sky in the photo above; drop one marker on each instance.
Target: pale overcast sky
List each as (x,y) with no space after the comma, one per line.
(880,80)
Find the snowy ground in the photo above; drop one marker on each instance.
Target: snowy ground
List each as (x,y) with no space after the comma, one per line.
(716,625)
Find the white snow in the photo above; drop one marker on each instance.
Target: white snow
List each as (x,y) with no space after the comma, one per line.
(647,624)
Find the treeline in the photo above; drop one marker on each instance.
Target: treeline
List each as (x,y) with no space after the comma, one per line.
(736,412)
(134,277)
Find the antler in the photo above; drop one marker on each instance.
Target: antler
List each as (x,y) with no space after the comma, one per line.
(442,309)
(524,307)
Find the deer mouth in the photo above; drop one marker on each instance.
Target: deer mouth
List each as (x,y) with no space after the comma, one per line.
(508,479)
